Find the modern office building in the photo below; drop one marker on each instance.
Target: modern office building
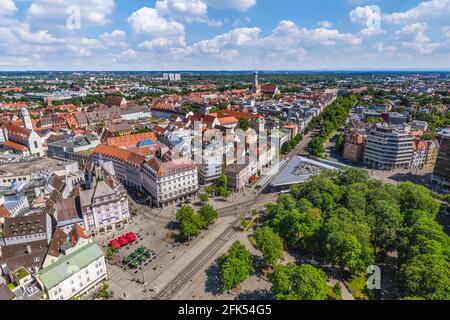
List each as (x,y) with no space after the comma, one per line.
(388,149)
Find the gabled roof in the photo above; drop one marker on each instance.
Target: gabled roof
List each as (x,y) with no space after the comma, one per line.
(14,146)
(6,293)
(63,268)
(114,100)
(66,209)
(25,225)
(171,167)
(76,233)
(59,237)
(4,212)
(119,154)
(228,120)
(17,130)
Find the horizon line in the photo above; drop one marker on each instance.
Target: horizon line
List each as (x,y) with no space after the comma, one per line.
(249,70)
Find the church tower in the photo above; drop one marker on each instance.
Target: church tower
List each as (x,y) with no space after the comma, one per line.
(26,119)
(256,79)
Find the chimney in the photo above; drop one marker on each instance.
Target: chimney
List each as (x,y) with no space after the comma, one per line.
(28,249)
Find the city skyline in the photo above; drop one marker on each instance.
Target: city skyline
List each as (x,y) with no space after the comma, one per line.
(200,35)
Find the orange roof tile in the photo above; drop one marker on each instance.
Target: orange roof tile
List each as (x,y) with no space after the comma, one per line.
(14,146)
(131,140)
(228,120)
(120,154)
(4,212)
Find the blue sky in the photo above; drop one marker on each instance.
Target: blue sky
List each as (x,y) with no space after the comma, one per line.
(224,34)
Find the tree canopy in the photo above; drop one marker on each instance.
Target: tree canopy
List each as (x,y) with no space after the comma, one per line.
(235,266)
(298,282)
(349,220)
(270,244)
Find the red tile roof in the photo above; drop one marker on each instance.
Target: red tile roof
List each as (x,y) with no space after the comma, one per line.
(123,155)
(131,140)
(4,212)
(228,120)
(239,115)
(17,130)
(76,233)
(15,146)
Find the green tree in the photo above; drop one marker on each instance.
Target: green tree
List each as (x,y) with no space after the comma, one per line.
(316,147)
(224,192)
(303,282)
(207,215)
(426,276)
(347,242)
(337,290)
(270,244)
(222,181)
(235,266)
(386,222)
(340,143)
(243,124)
(204,197)
(189,222)
(413,197)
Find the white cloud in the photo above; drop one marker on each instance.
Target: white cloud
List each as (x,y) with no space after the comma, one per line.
(382,48)
(114,38)
(289,31)
(192,8)
(7,7)
(23,33)
(325,24)
(419,41)
(370,17)
(424,10)
(128,54)
(147,20)
(236,37)
(158,43)
(240,5)
(56,11)
(229,55)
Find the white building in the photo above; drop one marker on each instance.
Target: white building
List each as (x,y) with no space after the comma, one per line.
(20,139)
(16,204)
(105,206)
(212,159)
(168,182)
(74,265)
(26,229)
(127,165)
(26,119)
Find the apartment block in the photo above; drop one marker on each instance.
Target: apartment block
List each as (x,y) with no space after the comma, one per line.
(388,149)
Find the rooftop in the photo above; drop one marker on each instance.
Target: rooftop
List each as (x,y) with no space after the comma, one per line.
(30,167)
(70,264)
(299,170)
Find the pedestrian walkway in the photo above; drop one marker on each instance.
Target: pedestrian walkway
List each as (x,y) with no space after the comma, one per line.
(182,262)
